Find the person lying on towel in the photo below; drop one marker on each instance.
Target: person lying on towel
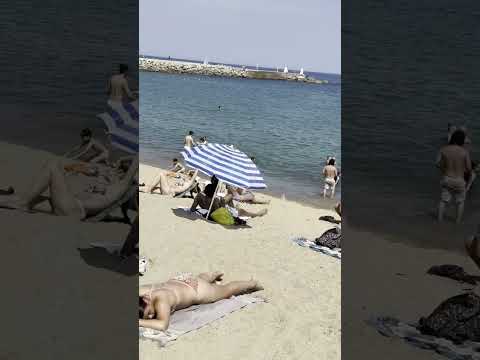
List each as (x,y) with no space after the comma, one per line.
(158,301)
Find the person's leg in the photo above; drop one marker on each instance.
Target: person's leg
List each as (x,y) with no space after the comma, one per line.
(212,276)
(243,212)
(445,198)
(460,208)
(209,292)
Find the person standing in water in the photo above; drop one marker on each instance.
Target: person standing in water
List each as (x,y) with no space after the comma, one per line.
(189,141)
(330,174)
(118,89)
(455,164)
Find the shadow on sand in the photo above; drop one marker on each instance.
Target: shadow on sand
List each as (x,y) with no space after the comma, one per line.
(101,258)
(193,216)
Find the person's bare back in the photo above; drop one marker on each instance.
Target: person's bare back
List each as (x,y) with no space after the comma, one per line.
(118,88)
(454,161)
(330,172)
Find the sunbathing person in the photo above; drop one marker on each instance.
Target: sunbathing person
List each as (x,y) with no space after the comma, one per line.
(89,150)
(158,301)
(177,167)
(168,185)
(243,195)
(205,199)
(66,200)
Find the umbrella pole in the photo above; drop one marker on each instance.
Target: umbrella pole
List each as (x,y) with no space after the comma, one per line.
(213,198)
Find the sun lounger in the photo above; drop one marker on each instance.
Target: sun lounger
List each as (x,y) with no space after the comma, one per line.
(196,317)
(301,241)
(129,194)
(393,328)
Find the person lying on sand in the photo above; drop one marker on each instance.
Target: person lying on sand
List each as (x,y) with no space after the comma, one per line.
(158,301)
(168,186)
(89,150)
(205,199)
(66,201)
(243,195)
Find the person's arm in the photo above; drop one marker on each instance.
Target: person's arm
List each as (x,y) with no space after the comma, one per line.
(161,322)
(468,163)
(324,172)
(439,160)
(127,89)
(194,206)
(103,152)
(109,86)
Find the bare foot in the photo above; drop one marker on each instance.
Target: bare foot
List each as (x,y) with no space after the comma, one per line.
(257,286)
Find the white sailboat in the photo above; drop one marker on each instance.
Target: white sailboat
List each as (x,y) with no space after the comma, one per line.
(285,70)
(205,62)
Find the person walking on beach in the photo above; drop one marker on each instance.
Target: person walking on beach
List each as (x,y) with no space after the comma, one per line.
(454,164)
(118,89)
(189,141)
(330,174)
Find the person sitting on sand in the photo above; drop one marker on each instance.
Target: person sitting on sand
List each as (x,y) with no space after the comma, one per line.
(189,142)
(205,199)
(176,167)
(89,150)
(330,174)
(158,301)
(202,141)
(168,185)
(66,201)
(454,163)
(243,195)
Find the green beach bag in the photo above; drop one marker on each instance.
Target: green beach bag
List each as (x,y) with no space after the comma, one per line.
(222,216)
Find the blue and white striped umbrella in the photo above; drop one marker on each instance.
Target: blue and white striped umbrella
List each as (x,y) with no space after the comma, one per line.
(121,120)
(225,162)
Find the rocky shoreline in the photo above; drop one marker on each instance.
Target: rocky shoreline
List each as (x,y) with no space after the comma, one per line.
(178,67)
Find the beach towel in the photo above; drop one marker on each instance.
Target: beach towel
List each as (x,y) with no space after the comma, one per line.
(336,253)
(198,316)
(391,327)
(202,213)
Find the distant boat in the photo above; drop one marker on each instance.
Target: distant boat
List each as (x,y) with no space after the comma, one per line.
(205,62)
(301,71)
(285,70)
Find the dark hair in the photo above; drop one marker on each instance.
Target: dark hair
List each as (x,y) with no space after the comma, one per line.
(210,190)
(458,138)
(86,132)
(190,132)
(175,159)
(141,308)
(123,68)
(331,162)
(214,180)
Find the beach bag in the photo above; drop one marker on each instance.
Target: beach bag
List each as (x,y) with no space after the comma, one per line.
(222,216)
(456,319)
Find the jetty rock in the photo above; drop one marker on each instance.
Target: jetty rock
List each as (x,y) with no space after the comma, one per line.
(183,67)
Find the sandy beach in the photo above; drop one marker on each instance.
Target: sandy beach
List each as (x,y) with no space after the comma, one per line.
(389,279)
(302,317)
(51,270)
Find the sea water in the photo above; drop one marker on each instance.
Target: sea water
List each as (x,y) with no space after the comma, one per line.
(290,128)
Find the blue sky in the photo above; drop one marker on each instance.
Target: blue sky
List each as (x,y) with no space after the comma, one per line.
(296,33)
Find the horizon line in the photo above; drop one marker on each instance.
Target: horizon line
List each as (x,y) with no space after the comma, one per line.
(225,63)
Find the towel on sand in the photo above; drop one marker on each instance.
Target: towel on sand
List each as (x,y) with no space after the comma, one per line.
(336,253)
(196,317)
(390,327)
(202,213)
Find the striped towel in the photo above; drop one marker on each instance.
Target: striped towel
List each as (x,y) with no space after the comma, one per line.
(391,327)
(336,253)
(122,121)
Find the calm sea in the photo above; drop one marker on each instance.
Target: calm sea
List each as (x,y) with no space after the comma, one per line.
(289,127)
